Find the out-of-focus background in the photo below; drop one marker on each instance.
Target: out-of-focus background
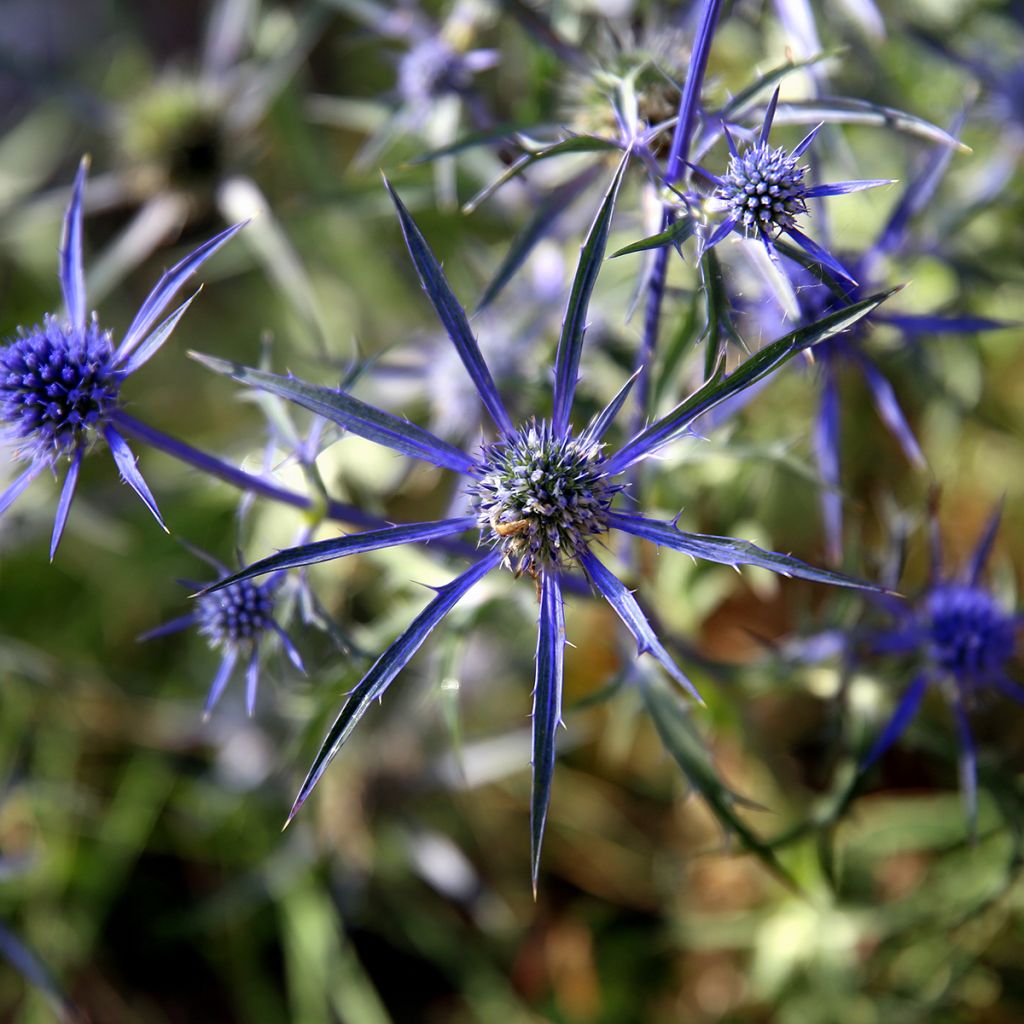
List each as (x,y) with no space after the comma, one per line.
(143,873)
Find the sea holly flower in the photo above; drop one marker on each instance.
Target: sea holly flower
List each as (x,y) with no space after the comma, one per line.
(238,622)
(962,641)
(542,496)
(60,381)
(765,190)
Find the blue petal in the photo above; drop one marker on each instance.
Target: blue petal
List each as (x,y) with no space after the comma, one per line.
(387,666)
(220,680)
(897,640)
(252,682)
(174,626)
(129,471)
(727,550)
(730,141)
(166,288)
(826,446)
(720,232)
(769,116)
(152,344)
(981,553)
(720,387)
(905,711)
(72,276)
(542,223)
(451,314)
(917,195)
(289,648)
(913,324)
(703,172)
(20,483)
(352,544)
(603,420)
(805,142)
(574,325)
(35,972)
(547,709)
(890,412)
(215,467)
(67,494)
(627,609)
(844,188)
(352,414)
(821,255)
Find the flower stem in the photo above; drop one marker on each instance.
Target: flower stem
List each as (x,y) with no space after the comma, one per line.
(238,477)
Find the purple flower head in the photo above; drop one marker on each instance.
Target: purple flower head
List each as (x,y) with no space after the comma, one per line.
(765,191)
(970,637)
(60,381)
(58,385)
(542,496)
(235,616)
(432,67)
(237,621)
(961,639)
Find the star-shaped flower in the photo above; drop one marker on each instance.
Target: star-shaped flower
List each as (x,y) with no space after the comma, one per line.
(60,382)
(765,191)
(542,495)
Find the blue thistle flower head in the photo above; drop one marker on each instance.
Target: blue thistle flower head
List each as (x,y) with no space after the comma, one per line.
(967,634)
(542,495)
(235,618)
(959,635)
(237,621)
(765,190)
(58,387)
(646,65)
(60,381)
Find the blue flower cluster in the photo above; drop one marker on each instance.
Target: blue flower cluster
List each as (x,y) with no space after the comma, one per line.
(548,495)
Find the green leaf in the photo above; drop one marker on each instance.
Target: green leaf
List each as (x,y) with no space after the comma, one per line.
(348,412)
(719,317)
(573,144)
(721,386)
(574,326)
(677,233)
(501,133)
(682,741)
